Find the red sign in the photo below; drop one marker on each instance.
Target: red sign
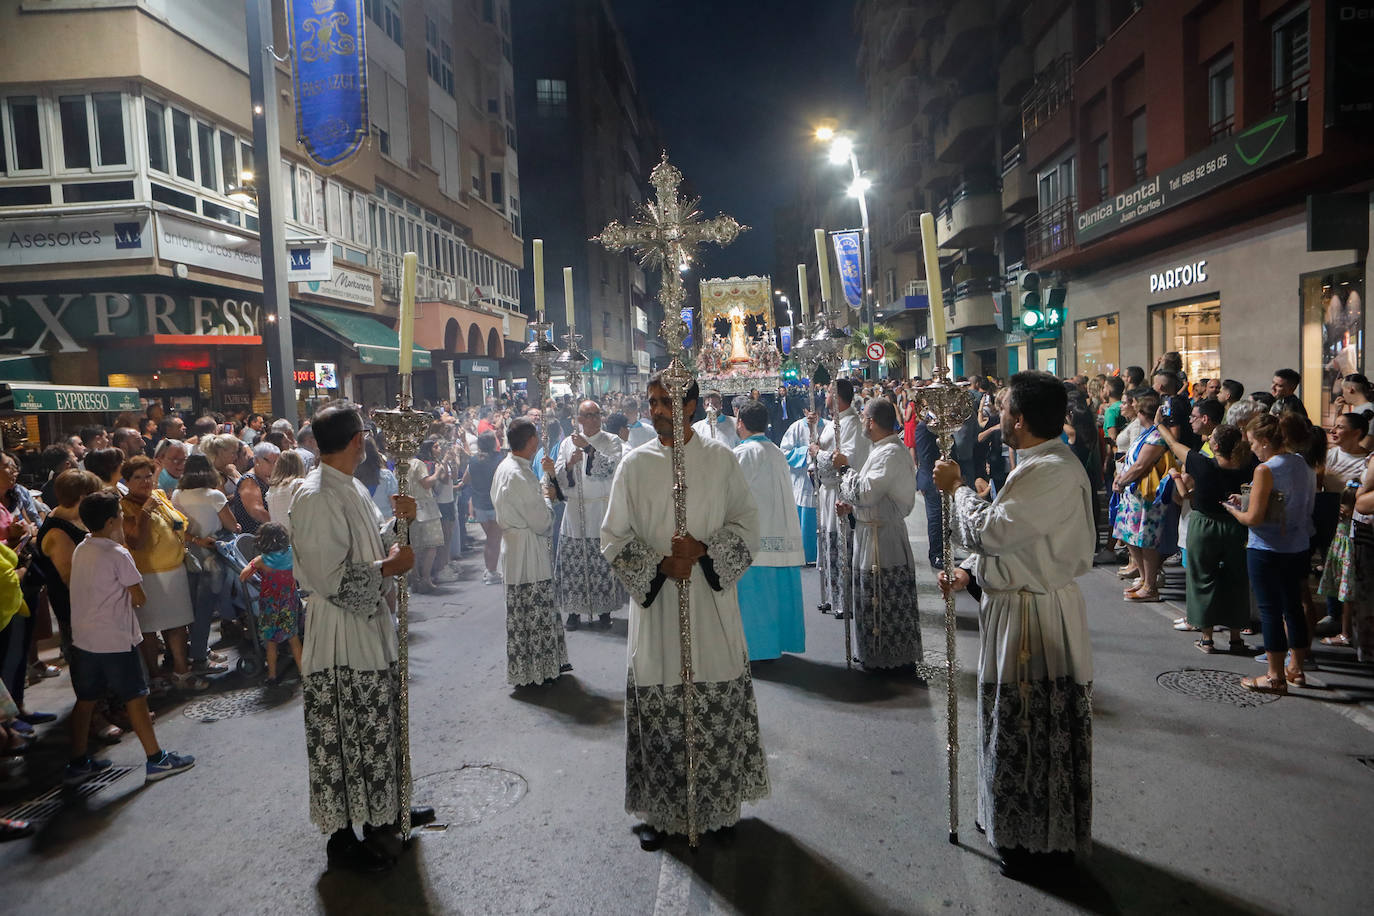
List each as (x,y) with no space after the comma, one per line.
(305,376)
(876,351)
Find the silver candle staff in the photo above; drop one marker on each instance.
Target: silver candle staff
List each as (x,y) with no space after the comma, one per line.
(404,430)
(667,234)
(945,407)
(541,353)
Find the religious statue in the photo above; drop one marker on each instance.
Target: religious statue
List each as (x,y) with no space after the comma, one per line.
(739,344)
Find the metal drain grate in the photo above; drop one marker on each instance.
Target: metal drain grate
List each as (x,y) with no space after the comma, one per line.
(1213,686)
(229,705)
(46,806)
(470,795)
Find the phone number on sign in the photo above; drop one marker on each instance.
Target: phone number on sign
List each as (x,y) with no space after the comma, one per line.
(1199,171)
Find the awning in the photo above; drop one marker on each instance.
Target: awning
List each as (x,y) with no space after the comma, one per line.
(34,398)
(375,343)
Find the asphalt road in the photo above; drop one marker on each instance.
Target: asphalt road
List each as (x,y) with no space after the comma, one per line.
(1201,805)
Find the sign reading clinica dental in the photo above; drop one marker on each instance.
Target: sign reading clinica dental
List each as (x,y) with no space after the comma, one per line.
(1254,148)
(45,319)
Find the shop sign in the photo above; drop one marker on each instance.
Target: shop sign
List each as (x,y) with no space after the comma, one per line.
(326,376)
(346,285)
(63,322)
(479,367)
(231,250)
(1182,275)
(57,240)
(305,377)
(55,399)
(1257,147)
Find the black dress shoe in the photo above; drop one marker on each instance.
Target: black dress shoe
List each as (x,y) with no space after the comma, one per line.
(565,668)
(573,622)
(650,839)
(421,815)
(351,854)
(605,620)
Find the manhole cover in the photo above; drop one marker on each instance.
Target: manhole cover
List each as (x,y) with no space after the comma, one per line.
(46,806)
(229,705)
(1213,686)
(470,795)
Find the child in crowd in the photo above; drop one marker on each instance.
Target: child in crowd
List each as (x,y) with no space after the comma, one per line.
(105,589)
(1336,574)
(279,604)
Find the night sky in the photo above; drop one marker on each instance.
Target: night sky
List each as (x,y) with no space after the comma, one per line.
(736,87)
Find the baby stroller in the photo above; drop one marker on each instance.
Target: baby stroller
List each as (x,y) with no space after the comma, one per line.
(240,600)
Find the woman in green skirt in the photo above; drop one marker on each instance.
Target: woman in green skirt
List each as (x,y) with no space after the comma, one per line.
(1218,584)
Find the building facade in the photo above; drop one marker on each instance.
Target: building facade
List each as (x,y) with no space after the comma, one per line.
(1175,168)
(590,144)
(128,264)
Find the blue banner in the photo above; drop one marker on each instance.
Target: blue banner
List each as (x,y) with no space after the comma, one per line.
(687,319)
(851,269)
(786,341)
(328,38)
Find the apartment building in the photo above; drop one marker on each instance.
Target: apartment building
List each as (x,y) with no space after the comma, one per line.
(124,126)
(590,144)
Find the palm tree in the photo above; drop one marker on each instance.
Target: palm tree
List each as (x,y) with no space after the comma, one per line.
(858,345)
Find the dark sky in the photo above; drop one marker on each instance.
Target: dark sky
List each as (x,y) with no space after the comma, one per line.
(736,88)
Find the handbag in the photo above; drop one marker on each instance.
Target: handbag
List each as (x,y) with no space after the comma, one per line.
(1275,513)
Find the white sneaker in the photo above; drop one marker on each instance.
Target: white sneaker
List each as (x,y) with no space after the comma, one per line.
(445,577)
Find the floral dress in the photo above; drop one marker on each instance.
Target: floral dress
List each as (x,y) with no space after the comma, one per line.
(1138,521)
(1336,577)
(279,604)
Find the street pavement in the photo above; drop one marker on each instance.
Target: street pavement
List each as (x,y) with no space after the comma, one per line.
(1201,805)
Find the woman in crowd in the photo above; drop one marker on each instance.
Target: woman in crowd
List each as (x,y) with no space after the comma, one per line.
(54,460)
(1279,516)
(287,478)
(16,618)
(444,495)
(1140,514)
(427,531)
(156,534)
(249,500)
(376,476)
(223,452)
(201,500)
(481,470)
(171,455)
(1218,586)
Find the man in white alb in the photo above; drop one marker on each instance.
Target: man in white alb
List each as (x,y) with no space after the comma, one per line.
(724,428)
(796,445)
(640,430)
(845,436)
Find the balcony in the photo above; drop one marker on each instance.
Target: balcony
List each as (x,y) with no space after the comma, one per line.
(972,218)
(895,46)
(1014,75)
(906,232)
(1051,231)
(899,105)
(968,35)
(968,304)
(1051,91)
(969,123)
(902,164)
(1018,184)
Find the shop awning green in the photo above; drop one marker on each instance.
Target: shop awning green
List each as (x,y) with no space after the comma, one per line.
(23,368)
(29,397)
(375,343)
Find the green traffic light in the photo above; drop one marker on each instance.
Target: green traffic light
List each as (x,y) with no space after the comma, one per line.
(597,364)
(1031,319)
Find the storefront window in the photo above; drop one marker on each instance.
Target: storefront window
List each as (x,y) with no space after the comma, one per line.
(1194,330)
(1098,342)
(1332,336)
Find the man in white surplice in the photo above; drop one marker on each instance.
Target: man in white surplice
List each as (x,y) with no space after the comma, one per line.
(346,557)
(535,648)
(880,495)
(770,593)
(582,578)
(845,436)
(796,445)
(724,429)
(1035,669)
(638,539)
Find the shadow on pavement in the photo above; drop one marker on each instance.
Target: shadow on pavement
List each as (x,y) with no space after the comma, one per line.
(570,698)
(402,890)
(766,871)
(835,682)
(1115,882)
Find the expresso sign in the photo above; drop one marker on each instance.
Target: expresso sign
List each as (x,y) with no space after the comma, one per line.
(70,322)
(1254,148)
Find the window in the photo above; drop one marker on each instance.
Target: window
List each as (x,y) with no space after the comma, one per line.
(76,135)
(1104,162)
(515,218)
(157,135)
(1056,183)
(551,97)
(438,57)
(387,15)
(1139,157)
(205,151)
(228,158)
(1221,97)
(488,10)
(498,190)
(109,128)
(479,171)
(181,145)
(1292,60)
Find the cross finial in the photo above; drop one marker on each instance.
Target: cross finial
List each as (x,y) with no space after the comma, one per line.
(666,235)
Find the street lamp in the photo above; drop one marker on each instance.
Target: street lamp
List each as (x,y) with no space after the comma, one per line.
(842,151)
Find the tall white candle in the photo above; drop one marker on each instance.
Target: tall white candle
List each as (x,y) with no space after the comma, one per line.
(823,262)
(539,276)
(407,318)
(802,295)
(568,298)
(933,291)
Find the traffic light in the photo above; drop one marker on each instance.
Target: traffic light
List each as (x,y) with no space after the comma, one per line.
(1054,308)
(1047,319)
(1006,321)
(596,362)
(1031,316)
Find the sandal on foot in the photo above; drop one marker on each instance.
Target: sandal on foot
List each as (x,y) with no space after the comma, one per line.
(1186,627)
(1250,631)
(1265,684)
(1144,595)
(1127,572)
(1340,639)
(1296,678)
(1206,646)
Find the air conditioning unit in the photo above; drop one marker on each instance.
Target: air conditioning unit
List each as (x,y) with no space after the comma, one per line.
(391,287)
(447,289)
(463,291)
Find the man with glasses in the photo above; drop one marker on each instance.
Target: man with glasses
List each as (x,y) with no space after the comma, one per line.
(586,462)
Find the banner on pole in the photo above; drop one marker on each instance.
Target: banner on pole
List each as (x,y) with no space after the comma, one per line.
(847,248)
(328,39)
(687,320)
(786,334)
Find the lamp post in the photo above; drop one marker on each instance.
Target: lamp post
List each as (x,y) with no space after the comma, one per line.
(842,151)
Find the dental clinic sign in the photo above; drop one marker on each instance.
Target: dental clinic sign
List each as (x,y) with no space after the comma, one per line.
(1257,147)
(46,321)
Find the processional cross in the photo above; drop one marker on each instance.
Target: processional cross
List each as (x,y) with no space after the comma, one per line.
(666,235)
